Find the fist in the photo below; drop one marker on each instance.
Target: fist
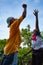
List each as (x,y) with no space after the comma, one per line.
(24,5)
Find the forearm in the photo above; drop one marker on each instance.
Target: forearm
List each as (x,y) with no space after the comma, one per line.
(37,26)
(22,17)
(24,13)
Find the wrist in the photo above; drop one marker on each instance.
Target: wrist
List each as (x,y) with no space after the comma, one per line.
(25,8)
(36,16)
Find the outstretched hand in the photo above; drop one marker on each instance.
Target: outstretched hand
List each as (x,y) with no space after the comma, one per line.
(35,12)
(24,6)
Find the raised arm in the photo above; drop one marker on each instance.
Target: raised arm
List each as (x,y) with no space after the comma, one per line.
(17,22)
(36,15)
(21,18)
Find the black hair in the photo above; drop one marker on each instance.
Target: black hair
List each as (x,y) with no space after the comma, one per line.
(38,33)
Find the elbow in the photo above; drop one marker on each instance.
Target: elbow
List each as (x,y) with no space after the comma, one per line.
(24,16)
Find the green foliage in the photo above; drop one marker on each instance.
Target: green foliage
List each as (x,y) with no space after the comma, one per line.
(26,35)
(21,52)
(2,44)
(42,35)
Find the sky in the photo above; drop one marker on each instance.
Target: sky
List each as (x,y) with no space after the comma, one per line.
(14,8)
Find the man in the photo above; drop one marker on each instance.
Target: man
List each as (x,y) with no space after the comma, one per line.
(11,48)
(37,45)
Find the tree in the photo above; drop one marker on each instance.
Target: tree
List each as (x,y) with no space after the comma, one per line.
(26,36)
(42,35)
(2,43)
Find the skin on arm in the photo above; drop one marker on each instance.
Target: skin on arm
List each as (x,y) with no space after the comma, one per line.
(36,15)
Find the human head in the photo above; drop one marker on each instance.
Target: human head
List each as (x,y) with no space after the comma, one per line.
(10,20)
(35,31)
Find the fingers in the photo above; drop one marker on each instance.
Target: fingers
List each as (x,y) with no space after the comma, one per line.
(35,12)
